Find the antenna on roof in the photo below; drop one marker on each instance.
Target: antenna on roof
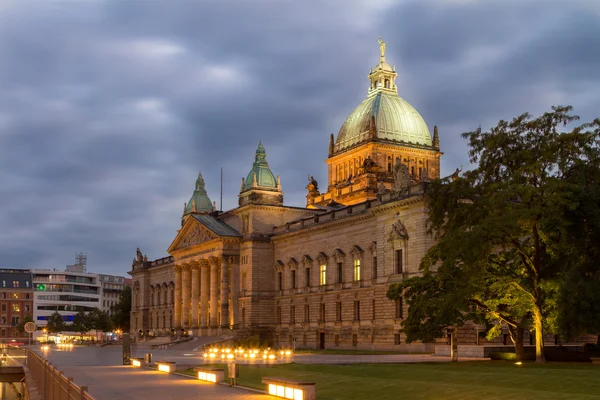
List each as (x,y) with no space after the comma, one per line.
(221,207)
(81,259)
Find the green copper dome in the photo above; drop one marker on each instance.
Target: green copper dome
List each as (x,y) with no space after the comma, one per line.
(264,176)
(199,201)
(395,120)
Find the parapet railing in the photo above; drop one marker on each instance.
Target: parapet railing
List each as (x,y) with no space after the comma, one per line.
(51,383)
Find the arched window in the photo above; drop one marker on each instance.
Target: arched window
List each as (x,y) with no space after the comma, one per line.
(387,83)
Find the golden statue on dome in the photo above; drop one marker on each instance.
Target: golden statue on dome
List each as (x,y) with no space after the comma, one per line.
(381,46)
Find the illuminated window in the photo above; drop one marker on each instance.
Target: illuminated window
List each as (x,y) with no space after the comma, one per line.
(323,274)
(16,296)
(15,283)
(357,270)
(16,308)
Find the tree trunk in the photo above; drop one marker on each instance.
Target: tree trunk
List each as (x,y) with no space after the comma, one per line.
(519,349)
(516,335)
(539,334)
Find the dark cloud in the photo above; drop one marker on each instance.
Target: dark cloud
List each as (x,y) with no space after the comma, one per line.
(110,108)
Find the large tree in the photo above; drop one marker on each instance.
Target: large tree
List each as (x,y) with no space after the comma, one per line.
(81,323)
(505,224)
(55,323)
(122,310)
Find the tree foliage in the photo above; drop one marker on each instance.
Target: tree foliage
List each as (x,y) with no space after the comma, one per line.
(21,326)
(504,230)
(81,322)
(55,323)
(122,310)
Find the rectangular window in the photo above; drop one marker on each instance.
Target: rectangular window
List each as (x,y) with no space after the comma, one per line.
(16,308)
(357,270)
(399,308)
(322,313)
(27,308)
(306,313)
(3,295)
(356,310)
(278,314)
(323,274)
(3,320)
(374,310)
(280,280)
(337,340)
(354,340)
(340,268)
(3,332)
(15,296)
(3,306)
(292,315)
(26,296)
(397,338)
(15,283)
(304,339)
(338,311)
(15,321)
(307,277)
(399,269)
(293,279)
(374,267)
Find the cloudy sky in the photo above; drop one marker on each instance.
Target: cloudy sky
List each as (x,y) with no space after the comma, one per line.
(108,109)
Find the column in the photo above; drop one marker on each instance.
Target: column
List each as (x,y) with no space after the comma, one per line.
(225,291)
(214,266)
(177,305)
(234,265)
(185,296)
(205,287)
(195,292)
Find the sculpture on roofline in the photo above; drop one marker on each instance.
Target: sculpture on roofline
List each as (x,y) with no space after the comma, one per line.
(381,46)
(313,186)
(402,179)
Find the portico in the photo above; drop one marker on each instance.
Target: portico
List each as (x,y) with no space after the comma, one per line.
(206,265)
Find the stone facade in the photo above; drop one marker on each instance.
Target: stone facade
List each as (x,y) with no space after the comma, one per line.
(313,276)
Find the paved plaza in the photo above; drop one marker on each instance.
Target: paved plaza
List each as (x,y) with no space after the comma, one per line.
(102,371)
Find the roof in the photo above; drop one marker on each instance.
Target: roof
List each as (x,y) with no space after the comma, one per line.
(394,120)
(217,226)
(199,200)
(15,278)
(260,168)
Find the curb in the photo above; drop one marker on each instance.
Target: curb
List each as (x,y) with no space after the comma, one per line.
(249,389)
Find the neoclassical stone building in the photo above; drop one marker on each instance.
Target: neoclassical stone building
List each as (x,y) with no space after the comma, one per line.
(315,276)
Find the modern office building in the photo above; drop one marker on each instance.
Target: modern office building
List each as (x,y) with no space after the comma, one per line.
(67,292)
(16,302)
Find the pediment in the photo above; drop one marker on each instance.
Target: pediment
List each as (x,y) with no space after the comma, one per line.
(192,234)
(356,250)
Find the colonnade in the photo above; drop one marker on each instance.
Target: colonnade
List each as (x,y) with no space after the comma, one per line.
(206,293)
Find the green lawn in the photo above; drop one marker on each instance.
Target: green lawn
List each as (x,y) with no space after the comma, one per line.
(355,352)
(487,380)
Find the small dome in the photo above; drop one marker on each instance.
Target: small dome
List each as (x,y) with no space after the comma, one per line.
(264,176)
(199,202)
(395,120)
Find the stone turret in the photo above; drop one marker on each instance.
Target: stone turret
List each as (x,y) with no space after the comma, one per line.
(260,185)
